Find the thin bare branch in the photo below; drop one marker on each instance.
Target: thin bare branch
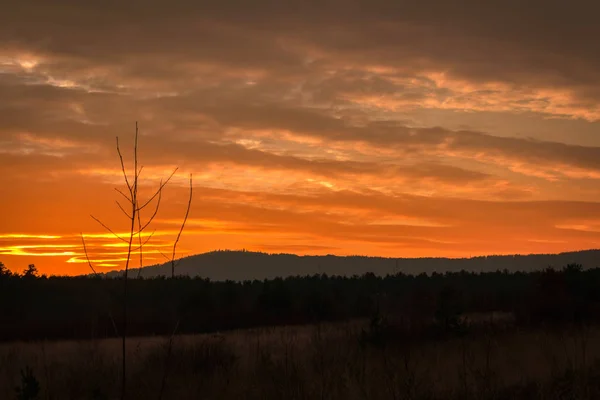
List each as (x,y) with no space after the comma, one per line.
(108,229)
(135,150)
(87,256)
(178,261)
(140,241)
(162,185)
(167,362)
(142,228)
(123,194)
(122,209)
(164,255)
(123,165)
(146,240)
(187,212)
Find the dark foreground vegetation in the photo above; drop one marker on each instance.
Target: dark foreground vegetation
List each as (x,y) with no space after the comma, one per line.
(313,362)
(456,335)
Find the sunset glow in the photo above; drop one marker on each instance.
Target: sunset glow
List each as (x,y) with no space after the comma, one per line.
(386,132)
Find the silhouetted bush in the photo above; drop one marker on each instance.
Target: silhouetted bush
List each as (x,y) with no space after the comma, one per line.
(29,387)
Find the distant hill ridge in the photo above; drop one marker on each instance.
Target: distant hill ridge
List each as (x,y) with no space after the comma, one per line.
(233,265)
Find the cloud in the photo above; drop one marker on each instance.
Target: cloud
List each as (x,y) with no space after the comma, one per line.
(169,47)
(351,124)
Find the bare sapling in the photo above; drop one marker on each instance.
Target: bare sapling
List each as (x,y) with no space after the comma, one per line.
(132,208)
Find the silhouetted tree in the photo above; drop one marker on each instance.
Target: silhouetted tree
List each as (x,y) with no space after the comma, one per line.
(30,272)
(4,271)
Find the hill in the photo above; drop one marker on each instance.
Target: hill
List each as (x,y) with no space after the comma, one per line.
(245,265)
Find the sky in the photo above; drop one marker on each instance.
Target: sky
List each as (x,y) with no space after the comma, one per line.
(380,127)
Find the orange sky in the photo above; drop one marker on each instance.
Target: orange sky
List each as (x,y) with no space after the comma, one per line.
(355,128)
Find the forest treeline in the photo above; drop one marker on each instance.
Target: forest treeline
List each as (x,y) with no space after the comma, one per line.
(40,307)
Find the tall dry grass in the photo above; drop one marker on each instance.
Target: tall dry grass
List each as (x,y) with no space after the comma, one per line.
(315,362)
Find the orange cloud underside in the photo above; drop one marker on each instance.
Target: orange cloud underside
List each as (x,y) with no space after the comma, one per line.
(431,201)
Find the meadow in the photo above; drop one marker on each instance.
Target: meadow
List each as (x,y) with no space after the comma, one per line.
(323,361)
(463,335)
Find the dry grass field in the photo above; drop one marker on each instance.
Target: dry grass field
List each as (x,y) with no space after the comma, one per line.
(313,362)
